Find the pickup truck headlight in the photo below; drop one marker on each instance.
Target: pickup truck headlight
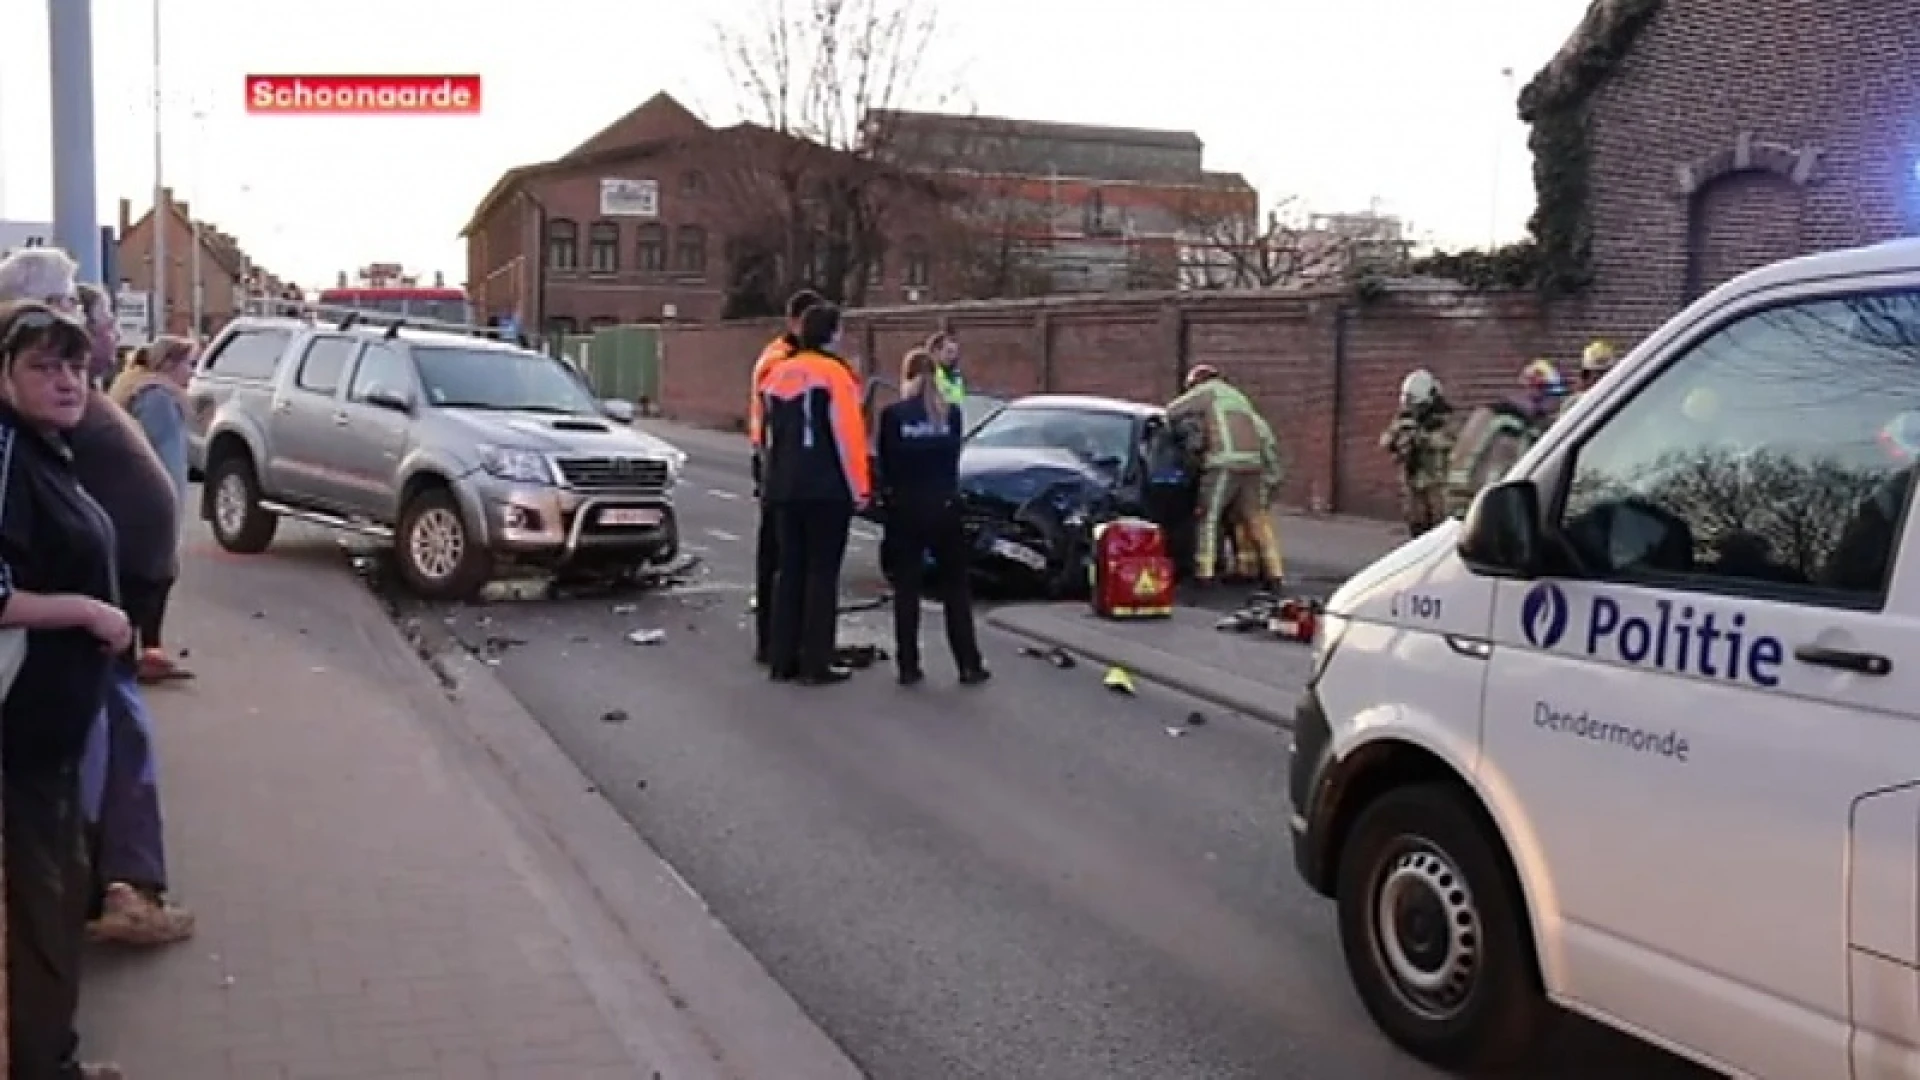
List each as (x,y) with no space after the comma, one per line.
(519,466)
(676,461)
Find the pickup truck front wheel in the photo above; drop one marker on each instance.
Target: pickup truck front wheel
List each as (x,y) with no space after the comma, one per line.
(240,524)
(437,555)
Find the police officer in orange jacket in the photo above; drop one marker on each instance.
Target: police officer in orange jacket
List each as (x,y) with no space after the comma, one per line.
(815,475)
(766,557)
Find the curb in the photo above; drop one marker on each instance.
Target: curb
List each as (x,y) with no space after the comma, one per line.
(1264,702)
(689,997)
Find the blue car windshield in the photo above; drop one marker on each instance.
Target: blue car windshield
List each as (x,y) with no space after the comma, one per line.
(1089,433)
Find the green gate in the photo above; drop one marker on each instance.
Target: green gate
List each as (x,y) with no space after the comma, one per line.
(621,361)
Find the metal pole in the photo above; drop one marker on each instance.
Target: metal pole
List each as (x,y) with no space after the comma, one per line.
(199,291)
(162,208)
(75,195)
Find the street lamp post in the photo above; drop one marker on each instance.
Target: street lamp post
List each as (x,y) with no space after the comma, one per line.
(162,210)
(199,291)
(75,197)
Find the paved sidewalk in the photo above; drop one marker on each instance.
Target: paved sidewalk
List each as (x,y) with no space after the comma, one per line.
(361,913)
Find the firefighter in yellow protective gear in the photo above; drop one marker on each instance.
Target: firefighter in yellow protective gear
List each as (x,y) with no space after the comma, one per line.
(1595,362)
(1240,471)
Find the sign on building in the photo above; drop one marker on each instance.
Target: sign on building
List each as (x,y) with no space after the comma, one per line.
(133,314)
(620,197)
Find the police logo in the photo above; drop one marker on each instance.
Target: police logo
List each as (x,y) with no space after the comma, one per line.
(1543,615)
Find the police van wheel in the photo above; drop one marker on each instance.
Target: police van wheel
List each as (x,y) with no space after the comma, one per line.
(1436,938)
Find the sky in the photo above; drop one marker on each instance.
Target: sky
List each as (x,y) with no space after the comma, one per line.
(1330,105)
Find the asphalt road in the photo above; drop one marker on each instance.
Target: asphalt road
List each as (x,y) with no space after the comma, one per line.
(1033,879)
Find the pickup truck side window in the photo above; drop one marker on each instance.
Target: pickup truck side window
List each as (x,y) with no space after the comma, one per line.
(380,368)
(325,364)
(248,354)
(1773,458)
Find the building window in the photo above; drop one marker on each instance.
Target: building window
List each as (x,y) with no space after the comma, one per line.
(653,247)
(919,265)
(1094,214)
(563,244)
(690,250)
(693,182)
(603,247)
(876,271)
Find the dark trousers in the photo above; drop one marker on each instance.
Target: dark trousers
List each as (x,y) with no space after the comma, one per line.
(46,890)
(129,841)
(913,533)
(146,607)
(812,541)
(766,567)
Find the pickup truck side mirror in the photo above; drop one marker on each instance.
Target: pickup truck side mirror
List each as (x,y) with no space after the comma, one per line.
(388,398)
(617,410)
(1503,535)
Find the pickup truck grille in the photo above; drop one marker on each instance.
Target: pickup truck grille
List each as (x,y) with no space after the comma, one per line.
(614,474)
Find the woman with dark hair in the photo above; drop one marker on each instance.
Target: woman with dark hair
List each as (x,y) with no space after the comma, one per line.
(919,483)
(814,478)
(57,583)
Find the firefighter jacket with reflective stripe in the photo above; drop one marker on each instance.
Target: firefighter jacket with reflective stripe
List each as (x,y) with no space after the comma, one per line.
(814,437)
(1236,437)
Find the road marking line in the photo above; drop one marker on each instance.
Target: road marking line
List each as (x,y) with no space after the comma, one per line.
(722,534)
(863,534)
(720,494)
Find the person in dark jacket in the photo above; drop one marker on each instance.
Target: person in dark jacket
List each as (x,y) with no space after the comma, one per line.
(919,484)
(118,467)
(766,558)
(57,583)
(816,474)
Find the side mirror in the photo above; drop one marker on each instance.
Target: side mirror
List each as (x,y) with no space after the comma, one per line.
(1502,535)
(620,412)
(388,398)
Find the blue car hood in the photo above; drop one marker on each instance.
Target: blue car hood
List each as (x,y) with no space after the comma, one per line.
(1017,475)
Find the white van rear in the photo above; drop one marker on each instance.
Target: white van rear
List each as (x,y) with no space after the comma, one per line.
(1641,736)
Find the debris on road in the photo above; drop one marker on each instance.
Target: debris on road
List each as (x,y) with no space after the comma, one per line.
(614,716)
(646,637)
(1176,732)
(859,657)
(1286,618)
(1118,681)
(625,609)
(1058,657)
(1196,719)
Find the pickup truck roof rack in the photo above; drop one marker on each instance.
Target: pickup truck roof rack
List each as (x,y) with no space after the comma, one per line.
(345,318)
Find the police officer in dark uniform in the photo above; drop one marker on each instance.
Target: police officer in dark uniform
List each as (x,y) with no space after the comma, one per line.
(919,484)
(766,554)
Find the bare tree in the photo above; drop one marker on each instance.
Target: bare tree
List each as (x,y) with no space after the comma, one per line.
(1228,248)
(993,240)
(815,187)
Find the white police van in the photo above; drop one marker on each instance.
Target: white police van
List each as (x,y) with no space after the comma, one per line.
(1641,737)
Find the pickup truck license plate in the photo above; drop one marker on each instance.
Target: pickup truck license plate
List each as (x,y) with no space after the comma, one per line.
(1019,553)
(629,517)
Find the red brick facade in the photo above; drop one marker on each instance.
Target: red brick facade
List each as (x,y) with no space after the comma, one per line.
(1734,135)
(1324,368)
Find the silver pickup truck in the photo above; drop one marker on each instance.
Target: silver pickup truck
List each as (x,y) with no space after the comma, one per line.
(469,454)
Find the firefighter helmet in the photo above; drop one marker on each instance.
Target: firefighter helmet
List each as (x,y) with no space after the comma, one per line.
(1597,358)
(1200,373)
(1419,387)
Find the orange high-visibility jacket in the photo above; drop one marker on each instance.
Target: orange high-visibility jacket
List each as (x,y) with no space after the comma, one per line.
(814,432)
(778,349)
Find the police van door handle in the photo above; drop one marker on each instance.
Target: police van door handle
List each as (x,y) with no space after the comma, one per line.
(1845,659)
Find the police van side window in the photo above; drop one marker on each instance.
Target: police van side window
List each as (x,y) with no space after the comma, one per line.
(249,354)
(1773,458)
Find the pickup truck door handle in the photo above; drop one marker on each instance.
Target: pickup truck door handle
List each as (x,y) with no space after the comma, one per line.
(1861,663)
(340,419)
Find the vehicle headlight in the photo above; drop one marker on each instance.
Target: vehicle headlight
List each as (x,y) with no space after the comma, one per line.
(519,466)
(676,462)
(1328,630)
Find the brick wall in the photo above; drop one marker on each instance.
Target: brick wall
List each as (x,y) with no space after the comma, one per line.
(1324,369)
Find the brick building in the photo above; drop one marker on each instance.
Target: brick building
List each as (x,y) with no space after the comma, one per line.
(1060,208)
(641,223)
(1720,137)
(228,275)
